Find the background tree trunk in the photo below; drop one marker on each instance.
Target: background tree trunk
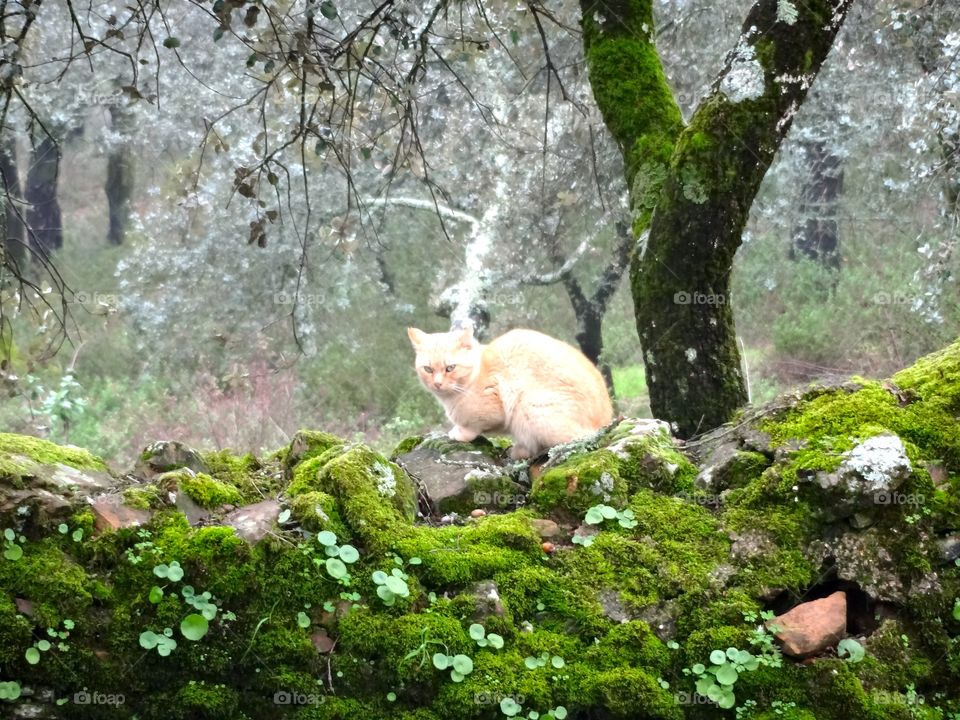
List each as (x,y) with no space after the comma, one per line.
(817,236)
(701,184)
(43,214)
(10,223)
(119,185)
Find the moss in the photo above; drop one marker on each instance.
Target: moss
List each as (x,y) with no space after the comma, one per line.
(207,701)
(625,689)
(244,472)
(404,446)
(207,492)
(376,497)
(143,497)
(579,483)
(316,511)
(45,452)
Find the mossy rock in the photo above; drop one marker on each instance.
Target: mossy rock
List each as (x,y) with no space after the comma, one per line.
(624,616)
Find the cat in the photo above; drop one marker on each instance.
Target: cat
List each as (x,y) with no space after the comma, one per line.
(535,388)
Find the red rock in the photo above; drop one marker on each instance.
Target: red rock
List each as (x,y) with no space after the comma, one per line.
(109,513)
(24,606)
(812,627)
(253,522)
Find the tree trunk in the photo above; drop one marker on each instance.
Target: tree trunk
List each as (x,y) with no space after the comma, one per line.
(701,185)
(119,187)
(10,223)
(817,236)
(43,214)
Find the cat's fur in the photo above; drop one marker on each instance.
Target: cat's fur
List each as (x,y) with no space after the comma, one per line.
(531,386)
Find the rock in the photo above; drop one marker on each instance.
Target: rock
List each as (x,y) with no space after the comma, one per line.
(868,477)
(487,596)
(751,544)
(727,467)
(613,607)
(24,606)
(862,520)
(545,528)
(461,477)
(661,618)
(253,522)
(861,558)
(109,513)
(812,627)
(322,642)
(195,514)
(949,547)
(165,455)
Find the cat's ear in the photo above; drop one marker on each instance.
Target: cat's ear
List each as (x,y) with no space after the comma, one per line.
(417,337)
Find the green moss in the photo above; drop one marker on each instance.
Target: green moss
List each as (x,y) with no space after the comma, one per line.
(243,472)
(936,379)
(45,452)
(207,492)
(143,497)
(316,511)
(376,497)
(625,689)
(198,699)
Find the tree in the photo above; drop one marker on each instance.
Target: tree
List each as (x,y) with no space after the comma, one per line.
(692,187)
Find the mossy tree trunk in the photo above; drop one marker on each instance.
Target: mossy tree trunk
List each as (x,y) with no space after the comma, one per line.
(692,188)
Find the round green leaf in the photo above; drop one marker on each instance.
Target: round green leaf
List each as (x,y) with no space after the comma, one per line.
(391,697)
(456,677)
(63,528)
(349,554)
(726,699)
(303,620)
(462,664)
(509,707)
(194,627)
(698,669)
(560,712)
(326,538)
(43,645)
(476,631)
(379,577)
(441,661)
(718,657)
(727,674)
(593,516)
(161,570)
(13,552)
(397,586)
(171,43)
(156,594)
(32,655)
(335,568)
(531,662)
(149,639)
(496,641)
(175,572)
(608,512)
(557,662)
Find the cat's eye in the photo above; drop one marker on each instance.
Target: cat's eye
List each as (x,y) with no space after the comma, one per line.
(427,369)
(450,368)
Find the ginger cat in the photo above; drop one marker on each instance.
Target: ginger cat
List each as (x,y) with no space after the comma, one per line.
(531,386)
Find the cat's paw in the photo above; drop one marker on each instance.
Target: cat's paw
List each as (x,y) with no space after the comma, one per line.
(518,452)
(462,434)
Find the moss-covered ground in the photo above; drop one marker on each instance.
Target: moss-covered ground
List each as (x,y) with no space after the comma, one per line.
(348,605)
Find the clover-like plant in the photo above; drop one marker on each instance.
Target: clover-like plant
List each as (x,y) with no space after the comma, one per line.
(10,690)
(459,665)
(163,643)
(392,586)
(483,639)
(12,551)
(338,557)
(532,663)
(851,649)
(76,535)
(716,682)
(598,513)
